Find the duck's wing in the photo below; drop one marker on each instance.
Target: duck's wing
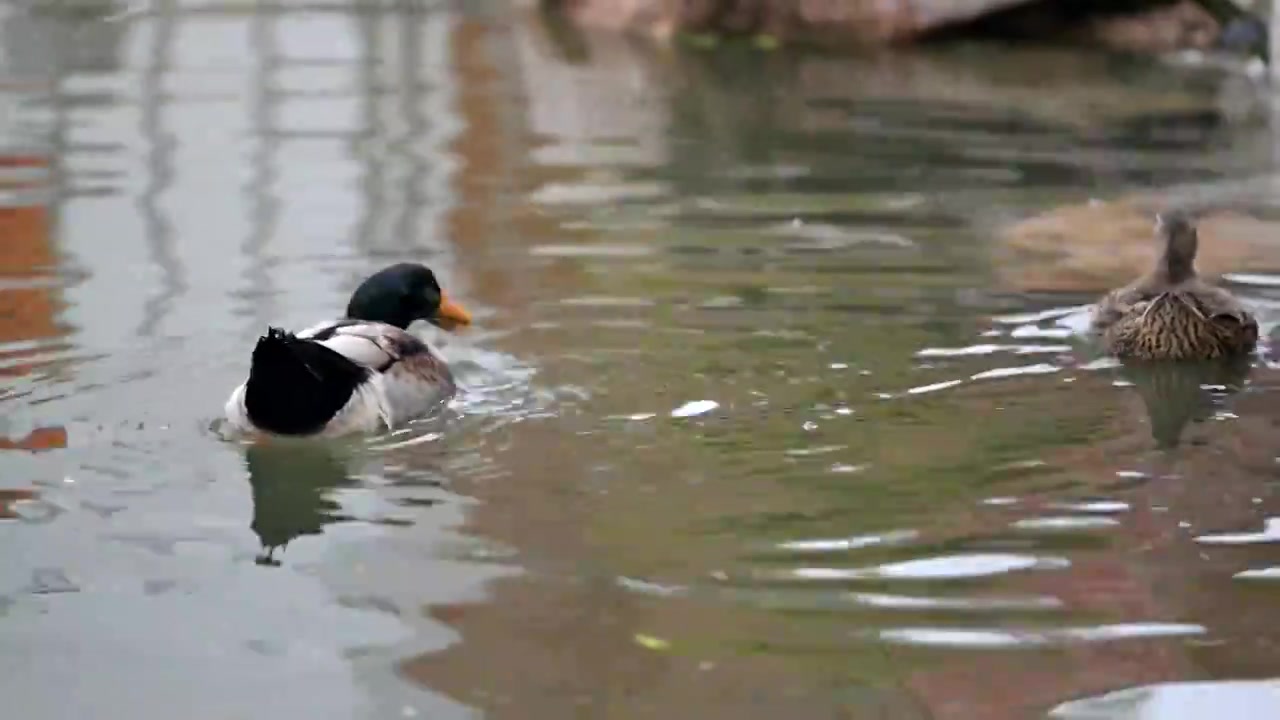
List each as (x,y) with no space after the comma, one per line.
(1216,303)
(408,374)
(376,346)
(1117,304)
(365,409)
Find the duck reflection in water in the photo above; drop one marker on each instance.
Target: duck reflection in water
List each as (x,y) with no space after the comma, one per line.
(1177,393)
(292,484)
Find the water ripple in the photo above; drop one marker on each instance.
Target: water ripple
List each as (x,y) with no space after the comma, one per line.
(1001,638)
(1269,533)
(895,537)
(948,567)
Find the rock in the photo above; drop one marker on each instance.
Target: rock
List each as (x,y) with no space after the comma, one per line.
(1182,25)
(862,21)
(1245,35)
(1098,245)
(1161,27)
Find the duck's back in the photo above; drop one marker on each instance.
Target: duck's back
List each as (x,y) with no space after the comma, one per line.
(1193,322)
(410,380)
(373,376)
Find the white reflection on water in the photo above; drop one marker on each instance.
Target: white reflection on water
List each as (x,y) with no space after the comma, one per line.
(995,373)
(1094,506)
(695,407)
(996,638)
(919,602)
(990,349)
(1269,533)
(1065,522)
(949,567)
(850,543)
(1179,701)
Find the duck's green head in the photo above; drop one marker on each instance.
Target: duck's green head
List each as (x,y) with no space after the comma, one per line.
(402,293)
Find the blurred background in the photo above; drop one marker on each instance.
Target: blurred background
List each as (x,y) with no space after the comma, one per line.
(776,403)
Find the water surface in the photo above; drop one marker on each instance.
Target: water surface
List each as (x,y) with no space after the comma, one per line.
(752,421)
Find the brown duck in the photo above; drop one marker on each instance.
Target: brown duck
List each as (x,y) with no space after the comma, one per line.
(1170,313)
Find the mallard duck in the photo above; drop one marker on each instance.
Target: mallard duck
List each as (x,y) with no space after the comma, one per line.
(361,373)
(1170,313)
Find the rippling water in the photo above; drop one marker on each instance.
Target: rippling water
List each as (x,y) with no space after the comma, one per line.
(755,420)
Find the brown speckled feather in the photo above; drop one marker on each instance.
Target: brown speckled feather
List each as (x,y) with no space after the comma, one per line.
(1177,325)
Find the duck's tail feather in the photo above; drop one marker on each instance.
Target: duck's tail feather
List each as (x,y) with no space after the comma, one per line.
(296,386)
(1152,304)
(1189,302)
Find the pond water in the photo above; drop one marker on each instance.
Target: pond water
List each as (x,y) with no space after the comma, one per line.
(755,420)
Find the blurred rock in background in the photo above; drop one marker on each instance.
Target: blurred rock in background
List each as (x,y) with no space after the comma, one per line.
(1128,25)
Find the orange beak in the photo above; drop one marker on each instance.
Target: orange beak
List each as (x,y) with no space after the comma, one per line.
(451,315)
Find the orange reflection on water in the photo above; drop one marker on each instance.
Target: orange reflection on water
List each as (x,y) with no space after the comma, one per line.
(42,438)
(9,497)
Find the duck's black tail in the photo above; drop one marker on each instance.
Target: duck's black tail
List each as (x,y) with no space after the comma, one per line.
(296,385)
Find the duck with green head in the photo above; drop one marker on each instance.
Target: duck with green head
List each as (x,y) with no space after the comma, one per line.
(361,373)
(1171,313)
